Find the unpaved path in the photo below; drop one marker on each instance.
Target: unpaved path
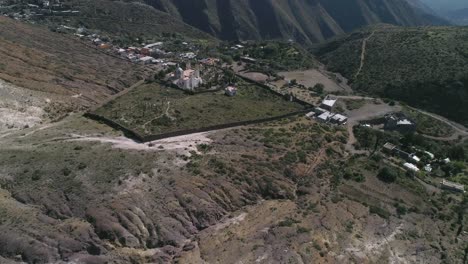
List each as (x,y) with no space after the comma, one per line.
(182,144)
(363,53)
(366,112)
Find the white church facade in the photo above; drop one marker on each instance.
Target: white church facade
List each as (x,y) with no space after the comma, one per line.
(188,79)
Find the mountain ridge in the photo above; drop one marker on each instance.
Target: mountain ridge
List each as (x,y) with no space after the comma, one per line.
(300,20)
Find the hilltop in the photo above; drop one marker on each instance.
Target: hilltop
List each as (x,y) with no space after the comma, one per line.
(422,66)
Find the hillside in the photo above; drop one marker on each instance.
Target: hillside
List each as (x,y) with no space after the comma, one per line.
(459,17)
(125,20)
(54,73)
(301,20)
(424,67)
(279,192)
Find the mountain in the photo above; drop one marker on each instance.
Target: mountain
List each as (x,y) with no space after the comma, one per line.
(424,66)
(446,5)
(303,20)
(459,17)
(421,6)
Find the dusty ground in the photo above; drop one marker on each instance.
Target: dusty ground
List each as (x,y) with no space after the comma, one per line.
(21,108)
(309,78)
(244,197)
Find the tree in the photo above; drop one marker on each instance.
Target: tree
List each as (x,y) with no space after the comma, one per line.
(387,175)
(318,88)
(457,153)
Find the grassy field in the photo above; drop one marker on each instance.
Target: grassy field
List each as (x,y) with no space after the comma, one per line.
(153,109)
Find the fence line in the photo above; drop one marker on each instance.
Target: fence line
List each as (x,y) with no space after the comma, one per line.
(140,138)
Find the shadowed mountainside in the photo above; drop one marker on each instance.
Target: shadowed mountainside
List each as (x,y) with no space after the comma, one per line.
(301,20)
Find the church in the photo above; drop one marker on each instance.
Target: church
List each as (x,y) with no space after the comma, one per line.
(188,79)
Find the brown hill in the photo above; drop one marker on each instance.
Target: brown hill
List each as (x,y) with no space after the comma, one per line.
(60,65)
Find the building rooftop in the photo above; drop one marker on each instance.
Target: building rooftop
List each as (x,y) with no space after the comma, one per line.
(329,102)
(340,118)
(411,167)
(389,146)
(404,122)
(146,58)
(325,116)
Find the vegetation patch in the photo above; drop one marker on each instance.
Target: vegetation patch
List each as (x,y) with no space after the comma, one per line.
(425,66)
(428,125)
(153,109)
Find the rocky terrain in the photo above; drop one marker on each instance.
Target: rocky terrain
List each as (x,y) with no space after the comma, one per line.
(254,194)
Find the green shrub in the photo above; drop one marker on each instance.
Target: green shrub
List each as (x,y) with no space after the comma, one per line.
(387,175)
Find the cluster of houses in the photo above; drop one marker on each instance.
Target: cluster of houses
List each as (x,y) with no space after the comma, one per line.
(413,163)
(325,112)
(148,54)
(25,10)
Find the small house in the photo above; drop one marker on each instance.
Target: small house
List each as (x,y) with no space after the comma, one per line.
(429,154)
(230,91)
(411,167)
(414,158)
(146,60)
(389,148)
(339,119)
(428,168)
(310,114)
(328,104)
(325,117)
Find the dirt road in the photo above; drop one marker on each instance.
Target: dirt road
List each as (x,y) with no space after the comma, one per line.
(366,112)
(363,54)
(460,130)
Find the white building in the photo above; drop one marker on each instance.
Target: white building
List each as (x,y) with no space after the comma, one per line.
(414,158)
(429,154)
(328,103)
(146,60)
(325,117)
(230,91)
(188,79)
(339,119)
(411,167)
